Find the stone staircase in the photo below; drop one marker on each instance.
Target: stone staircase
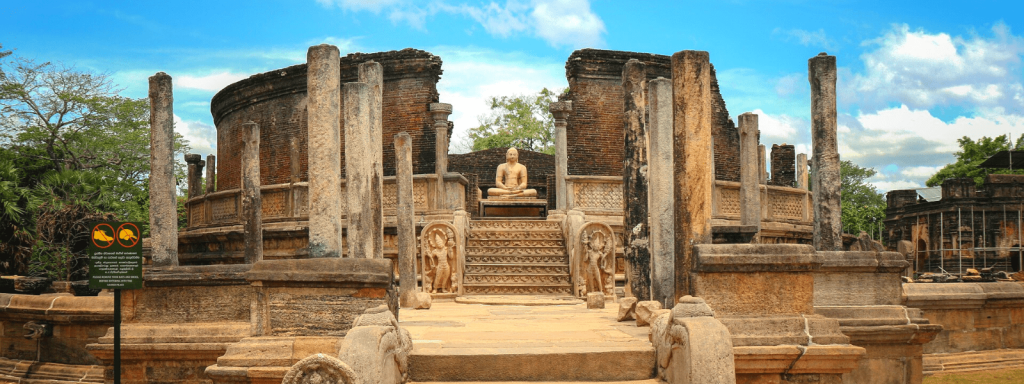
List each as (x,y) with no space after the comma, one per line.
(516,257)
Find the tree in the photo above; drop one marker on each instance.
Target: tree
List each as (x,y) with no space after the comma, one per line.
(520,121)
(863,208)
(971,155)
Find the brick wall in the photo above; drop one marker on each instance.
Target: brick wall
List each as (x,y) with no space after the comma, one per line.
(783,165)
(594,128)
(276,100)
(485,164)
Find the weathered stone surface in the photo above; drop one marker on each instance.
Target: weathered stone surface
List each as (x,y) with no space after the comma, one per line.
(821,72)
(660,209)
(320,368)
(627,309)
(438,246)
(406,224)
(252,201)
(750,192)
(419,300)
(211,173)
(163,208)
(801,171)
(645,311)
(762,165)
(595,300)
(195,174)
(363,176)
(691,84)
(324,106)
(594,259)
(783,158)
(691,345)
(440,112)
(376,348)
(560,110)
(636,239)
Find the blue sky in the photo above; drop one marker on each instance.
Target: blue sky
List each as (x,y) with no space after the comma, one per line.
(913,76)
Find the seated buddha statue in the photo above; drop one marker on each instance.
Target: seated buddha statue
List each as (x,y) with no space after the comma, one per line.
(510,180)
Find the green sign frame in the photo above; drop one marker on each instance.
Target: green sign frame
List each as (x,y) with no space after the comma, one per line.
(115,255)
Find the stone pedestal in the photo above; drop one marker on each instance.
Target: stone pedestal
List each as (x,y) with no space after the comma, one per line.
(764,295)
(514,208)
(872,317)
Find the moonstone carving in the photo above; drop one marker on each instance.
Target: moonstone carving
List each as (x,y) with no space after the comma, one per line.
(594,261)
(320,369)
(441,272)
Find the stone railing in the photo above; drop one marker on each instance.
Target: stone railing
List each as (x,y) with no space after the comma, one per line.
(778,204)
(290,202)
(603,195)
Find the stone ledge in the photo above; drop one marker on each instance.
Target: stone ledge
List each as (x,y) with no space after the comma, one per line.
(57,308)
(334,272)
(941,363)
(862,261)
(199,275)
(756,258)
(809,359)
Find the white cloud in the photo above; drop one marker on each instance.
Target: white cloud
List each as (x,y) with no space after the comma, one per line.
(202,138)
(922,70)
(473,75)
(214,82)
(806,38)
(779,129)
(569,23)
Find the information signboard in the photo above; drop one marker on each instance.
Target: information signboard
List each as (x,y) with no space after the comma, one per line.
(115,255)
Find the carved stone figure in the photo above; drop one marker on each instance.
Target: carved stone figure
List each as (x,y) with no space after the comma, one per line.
(594,262)
(510,179)
(320,369)
(438,247)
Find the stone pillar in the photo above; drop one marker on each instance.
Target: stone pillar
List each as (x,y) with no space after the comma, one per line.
(660,209)
(323,81)
(691,122)
(560,110)
(363,176)
(821,72)
(252,202)
(801,171)
(750,192)
(406,220)
(163,208)
(783,159)
(295,166)
(211,173)
(440,112)
(195,174)
(634,180)
(762,165)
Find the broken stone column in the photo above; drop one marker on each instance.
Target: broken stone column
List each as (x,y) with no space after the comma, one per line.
(801,171)
(660,209)
(211,173)
(821,72)
(324,93)
(363,176)
(634,180)
(440,112)
(163,208)
(762,165)
(252,202)
(195,174)
(560,110)
(750,192)
(691,86)
(783,159)
(405,212)
(295,165)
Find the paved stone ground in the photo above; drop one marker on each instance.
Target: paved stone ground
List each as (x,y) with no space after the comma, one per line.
(571,332)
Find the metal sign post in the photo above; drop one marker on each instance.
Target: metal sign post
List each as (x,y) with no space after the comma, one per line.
(115,262)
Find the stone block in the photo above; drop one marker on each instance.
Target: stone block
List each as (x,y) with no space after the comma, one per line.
(627,309)
(756,293)
(595,300)
(645,311)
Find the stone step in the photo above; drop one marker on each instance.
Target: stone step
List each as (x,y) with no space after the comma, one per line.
(512,225)
(517,259)
(516,268)
(522,289)
(508,251)
(515,243)
(506,279)
(648,381)
(524,235)
(533,364)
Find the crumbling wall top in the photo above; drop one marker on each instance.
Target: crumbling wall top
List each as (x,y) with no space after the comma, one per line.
(604,64)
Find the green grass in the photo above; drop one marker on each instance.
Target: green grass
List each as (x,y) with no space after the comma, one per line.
(1007,376)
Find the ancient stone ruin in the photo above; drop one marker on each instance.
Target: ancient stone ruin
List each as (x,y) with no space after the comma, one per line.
(343,243)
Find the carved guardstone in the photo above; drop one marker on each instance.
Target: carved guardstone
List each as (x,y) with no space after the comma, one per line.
(442,272)
(593,263)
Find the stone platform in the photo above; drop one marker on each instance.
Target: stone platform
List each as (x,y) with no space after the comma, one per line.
(519,208)
(466,342)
